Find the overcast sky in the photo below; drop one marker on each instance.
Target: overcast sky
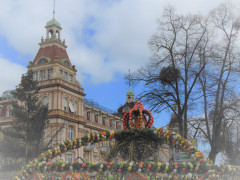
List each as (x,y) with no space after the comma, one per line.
(104,37)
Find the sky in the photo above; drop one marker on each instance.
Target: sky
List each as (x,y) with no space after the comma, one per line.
(104,37)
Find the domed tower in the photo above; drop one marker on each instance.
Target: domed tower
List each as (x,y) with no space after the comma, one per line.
(53,29)
(130,102)
(59,88)
(130,96)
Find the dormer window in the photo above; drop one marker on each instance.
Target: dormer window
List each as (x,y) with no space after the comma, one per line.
(42,61)
(66,63)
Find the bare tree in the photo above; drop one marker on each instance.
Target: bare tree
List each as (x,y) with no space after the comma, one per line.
(171,75)
(218,79)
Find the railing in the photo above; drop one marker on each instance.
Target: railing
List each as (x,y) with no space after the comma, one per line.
(59,112)
(62,82)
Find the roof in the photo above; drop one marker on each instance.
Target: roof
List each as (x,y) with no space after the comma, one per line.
(51,52)
(53,22)
(127,104)
(130,92)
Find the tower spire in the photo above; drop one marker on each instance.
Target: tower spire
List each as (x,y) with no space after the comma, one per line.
(129,80)
(53,9)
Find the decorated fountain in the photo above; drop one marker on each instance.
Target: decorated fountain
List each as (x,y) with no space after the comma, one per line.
(133,156)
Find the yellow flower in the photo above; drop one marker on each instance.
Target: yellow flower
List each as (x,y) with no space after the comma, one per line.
(159,164)
(40,164)
(129,168)
(100,170)
(178,135)
(63,165)
(166,168)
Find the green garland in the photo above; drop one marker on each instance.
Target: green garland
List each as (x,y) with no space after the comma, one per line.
(198,167)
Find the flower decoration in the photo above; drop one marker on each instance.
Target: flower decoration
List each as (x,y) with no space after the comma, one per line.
(137,123)
(138,117)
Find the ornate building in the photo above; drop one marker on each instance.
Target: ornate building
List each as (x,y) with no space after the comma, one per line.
(130,102)
(69,116)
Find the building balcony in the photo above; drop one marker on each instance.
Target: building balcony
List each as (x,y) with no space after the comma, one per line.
(64,114)
(62,83)
(98,126)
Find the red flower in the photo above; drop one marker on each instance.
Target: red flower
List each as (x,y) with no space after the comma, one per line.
(83,165)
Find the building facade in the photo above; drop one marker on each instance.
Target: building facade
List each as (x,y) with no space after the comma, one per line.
(69,116)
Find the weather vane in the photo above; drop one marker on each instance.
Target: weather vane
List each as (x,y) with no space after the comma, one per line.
(129,79)
(53,9)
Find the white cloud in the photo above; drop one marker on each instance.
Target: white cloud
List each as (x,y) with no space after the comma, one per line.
(121,30)
(10,75)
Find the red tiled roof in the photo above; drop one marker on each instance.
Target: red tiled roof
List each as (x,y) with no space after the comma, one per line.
(127,104)
(51,52)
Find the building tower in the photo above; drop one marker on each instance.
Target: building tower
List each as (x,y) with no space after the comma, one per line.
(69,116)
(59,88)
(130,96)
(130,102)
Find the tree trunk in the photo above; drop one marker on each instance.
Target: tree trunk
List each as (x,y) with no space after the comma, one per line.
(213,154)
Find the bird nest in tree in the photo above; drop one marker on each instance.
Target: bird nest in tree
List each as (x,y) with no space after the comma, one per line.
(169,75)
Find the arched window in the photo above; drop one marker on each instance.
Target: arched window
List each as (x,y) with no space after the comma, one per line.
(66,63)
(42,61)
(70,132)
(50,33)
(88,115)
(96,118)
(45,101)
(75,107)
(65,104)
(58,34)
(71,108)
